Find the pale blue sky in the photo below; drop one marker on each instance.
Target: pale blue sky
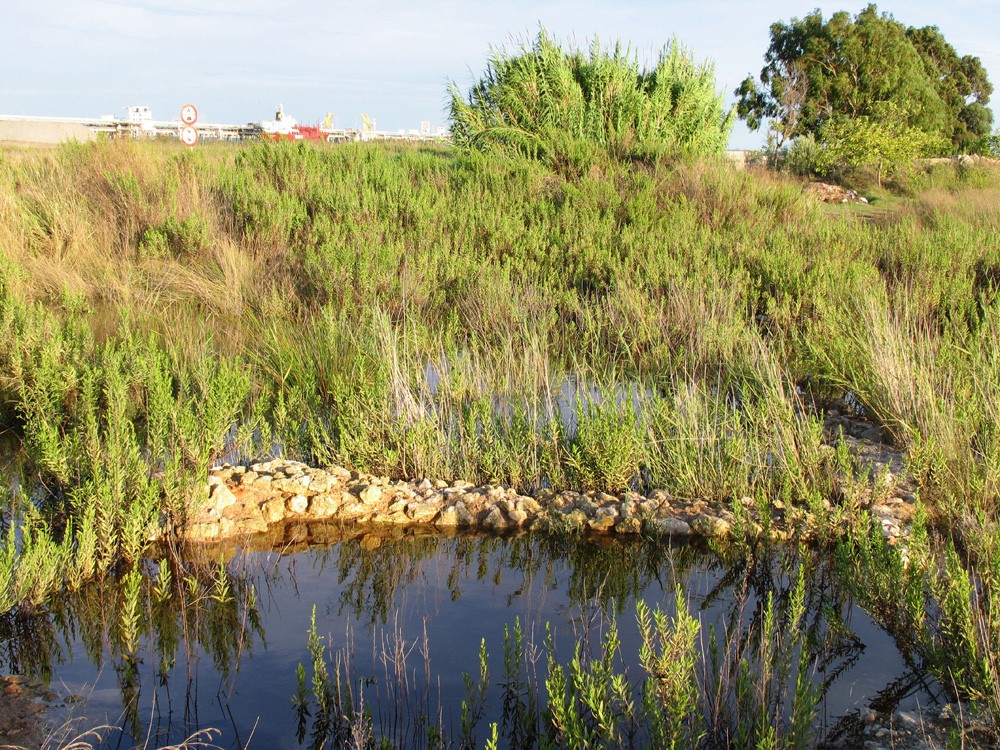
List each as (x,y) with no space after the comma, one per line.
(237,59)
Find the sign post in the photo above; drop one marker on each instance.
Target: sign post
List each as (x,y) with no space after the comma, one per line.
(189,116)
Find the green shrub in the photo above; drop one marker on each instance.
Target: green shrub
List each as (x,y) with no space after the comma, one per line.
(176,237)
(807,158)
(882,143)
(543,100)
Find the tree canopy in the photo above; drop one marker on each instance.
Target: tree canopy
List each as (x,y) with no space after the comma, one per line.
(818,72)
(542,97)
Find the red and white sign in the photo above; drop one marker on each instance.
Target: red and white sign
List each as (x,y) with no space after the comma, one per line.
(189,136)
(189,114)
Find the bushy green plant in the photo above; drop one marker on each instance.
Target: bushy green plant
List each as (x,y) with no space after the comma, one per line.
(807,157)
(542,101)
(881,142)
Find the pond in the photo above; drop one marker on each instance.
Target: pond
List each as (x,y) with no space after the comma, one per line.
(212,637)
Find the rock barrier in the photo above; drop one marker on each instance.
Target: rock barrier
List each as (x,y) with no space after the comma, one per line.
(247,500)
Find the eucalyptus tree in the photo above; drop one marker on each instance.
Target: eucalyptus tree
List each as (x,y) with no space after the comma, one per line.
(818,72)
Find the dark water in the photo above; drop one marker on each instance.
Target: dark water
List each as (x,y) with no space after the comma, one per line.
(219,647)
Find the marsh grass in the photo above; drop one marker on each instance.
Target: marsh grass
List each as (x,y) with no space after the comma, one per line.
(421,312)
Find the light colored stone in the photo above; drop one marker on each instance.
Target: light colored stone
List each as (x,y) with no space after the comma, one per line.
(528,504)
(399,517)
(354,510)
(273,509)
(222,497)
(324,505)
(647,507)
(456,515)
(323,483)
(448,517)
(421,512)
(298,504)
(243,525)
(517,517)
(495,521)
(601,524)
(575,519)
(710,526)
(370,495)
(629,525)
(668,526)
(202,532)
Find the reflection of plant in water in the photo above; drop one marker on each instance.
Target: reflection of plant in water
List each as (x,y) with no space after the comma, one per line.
(29,643)
(606,569)
(940,604)
(182,605)
(666,698)
(754,681)
(372,576)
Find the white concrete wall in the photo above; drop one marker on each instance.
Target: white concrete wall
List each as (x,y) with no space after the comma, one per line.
(40,131)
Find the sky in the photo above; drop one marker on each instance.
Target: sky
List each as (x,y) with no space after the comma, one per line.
(236,60)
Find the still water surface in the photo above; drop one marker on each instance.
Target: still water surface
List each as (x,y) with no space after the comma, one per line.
(226,657)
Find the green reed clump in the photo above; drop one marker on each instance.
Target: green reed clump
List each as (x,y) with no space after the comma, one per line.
(543,101)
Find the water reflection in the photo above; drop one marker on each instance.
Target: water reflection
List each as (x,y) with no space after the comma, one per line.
(219,645)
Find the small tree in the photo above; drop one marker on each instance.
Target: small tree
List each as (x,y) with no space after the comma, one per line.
(540,100)
(882,142)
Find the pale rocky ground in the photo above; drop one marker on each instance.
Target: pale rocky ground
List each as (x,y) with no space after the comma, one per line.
(934,729)
(22,703)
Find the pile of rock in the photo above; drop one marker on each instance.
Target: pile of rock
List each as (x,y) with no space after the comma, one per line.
(247,500)
(244,501)
(827,193)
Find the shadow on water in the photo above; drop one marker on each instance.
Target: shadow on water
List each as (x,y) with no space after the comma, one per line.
(218,644)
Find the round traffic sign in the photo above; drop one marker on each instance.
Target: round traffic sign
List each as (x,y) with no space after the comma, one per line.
(189,114)
(189,136)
